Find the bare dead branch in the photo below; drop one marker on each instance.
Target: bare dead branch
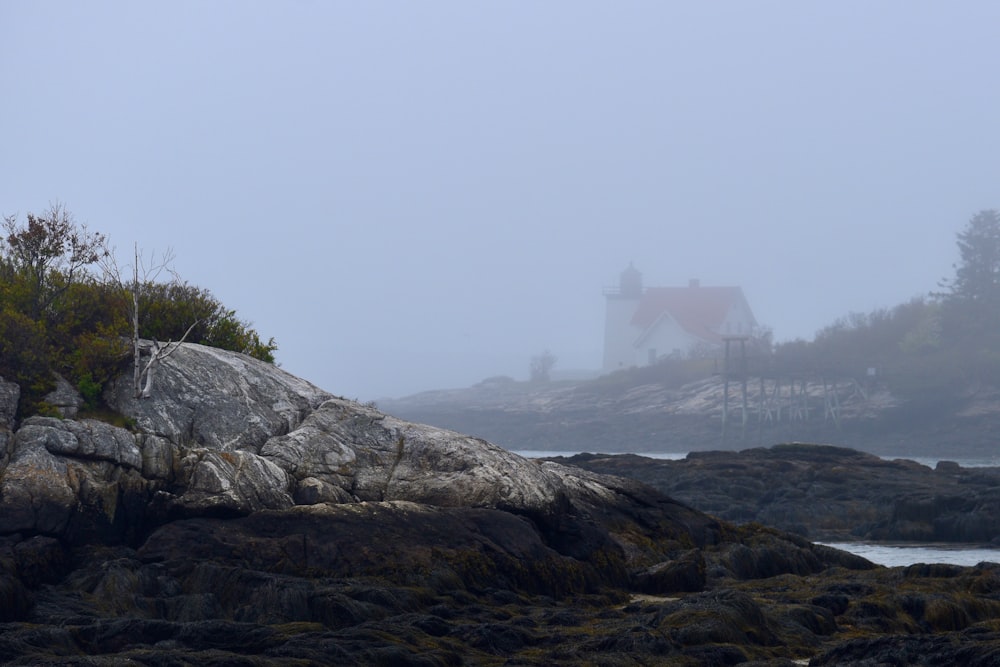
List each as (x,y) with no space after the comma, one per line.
(158,354)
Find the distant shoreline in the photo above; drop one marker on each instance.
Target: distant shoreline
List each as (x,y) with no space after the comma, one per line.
(930,462)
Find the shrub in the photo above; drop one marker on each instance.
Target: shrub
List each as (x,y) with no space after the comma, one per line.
(55,317)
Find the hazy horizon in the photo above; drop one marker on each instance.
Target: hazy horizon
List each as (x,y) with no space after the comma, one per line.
(420,196)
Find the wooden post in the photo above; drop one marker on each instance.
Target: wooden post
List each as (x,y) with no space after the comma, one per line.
(725,391)
(727,368)
(743,372)
(760,412)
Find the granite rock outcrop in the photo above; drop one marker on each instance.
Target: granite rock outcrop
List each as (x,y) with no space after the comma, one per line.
(226,435)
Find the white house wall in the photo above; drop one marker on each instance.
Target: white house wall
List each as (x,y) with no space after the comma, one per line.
(664,338)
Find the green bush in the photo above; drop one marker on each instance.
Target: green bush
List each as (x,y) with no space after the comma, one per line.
(56,317)
(25,357)
(90,390)
(167,311)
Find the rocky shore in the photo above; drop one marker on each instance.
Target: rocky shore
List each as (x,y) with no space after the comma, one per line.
(241,516)
(611,415)
(825,493)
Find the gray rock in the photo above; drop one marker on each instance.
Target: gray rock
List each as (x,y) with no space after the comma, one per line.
(157,456)
(65,398)
(86,439)
(373,456)
(234,482)
(320,448)
(206,397)
(60,469)
(36,494)
(312,491)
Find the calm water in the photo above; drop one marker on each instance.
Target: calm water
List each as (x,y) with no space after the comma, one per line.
(893,555)
(545,453)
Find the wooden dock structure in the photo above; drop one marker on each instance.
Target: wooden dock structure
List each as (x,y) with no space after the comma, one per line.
(778,396)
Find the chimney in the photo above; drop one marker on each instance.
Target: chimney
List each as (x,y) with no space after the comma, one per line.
(694,282)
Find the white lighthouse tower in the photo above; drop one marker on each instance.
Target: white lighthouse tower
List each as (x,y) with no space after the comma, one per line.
(619,333)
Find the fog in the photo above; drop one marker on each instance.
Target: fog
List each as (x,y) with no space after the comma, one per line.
(411,196)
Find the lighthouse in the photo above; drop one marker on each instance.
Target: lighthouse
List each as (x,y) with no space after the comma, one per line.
(621,303)
(644,325)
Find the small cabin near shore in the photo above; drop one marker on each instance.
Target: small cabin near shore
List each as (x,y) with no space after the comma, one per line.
(646,324)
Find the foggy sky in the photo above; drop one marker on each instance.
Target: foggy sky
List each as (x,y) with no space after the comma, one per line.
(419,195)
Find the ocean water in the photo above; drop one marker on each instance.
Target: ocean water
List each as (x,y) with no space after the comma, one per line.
(546,453)
(893,555)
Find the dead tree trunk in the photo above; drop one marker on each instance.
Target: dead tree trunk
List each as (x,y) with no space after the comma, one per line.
(156,355)
(142,274)
(136,371)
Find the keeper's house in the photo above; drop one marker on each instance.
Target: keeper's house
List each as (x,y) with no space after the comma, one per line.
(645,324)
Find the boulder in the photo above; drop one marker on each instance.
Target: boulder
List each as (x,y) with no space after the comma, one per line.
(88,439)
(37,493)
(231,483)
(682,574)
(65,398)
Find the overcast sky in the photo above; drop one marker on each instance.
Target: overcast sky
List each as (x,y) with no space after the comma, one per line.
(419,195)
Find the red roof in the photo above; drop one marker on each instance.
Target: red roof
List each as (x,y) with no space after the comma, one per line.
(701,311)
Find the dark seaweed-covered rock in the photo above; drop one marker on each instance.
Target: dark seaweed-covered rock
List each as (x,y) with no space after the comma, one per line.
(15,601)
(825,492)
(973,649)
(684,573)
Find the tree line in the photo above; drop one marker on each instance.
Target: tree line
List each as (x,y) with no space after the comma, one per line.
(946,340)
(67,308)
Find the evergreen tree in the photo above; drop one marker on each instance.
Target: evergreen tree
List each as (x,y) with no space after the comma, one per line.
(977,275)
(971,306)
